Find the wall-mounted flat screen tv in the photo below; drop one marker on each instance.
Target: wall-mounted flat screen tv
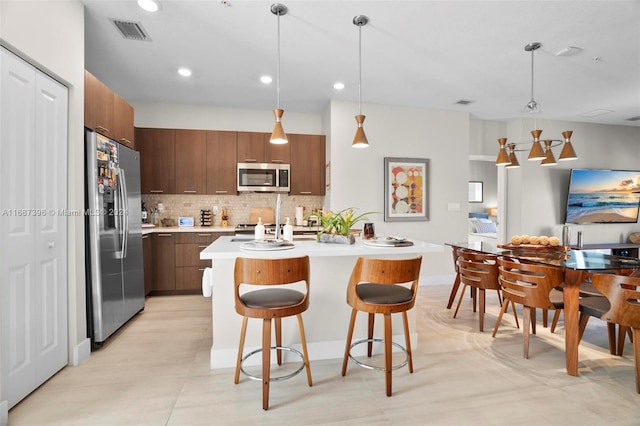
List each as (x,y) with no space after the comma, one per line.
(603,196)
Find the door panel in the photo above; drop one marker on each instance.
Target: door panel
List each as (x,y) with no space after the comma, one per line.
(33,238)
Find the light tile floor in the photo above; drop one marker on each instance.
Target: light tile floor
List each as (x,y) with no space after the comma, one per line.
(155,371)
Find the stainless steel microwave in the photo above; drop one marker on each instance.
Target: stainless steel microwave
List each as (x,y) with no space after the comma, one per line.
(263,177)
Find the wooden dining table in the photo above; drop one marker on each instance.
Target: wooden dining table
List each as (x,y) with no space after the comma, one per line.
(575,263)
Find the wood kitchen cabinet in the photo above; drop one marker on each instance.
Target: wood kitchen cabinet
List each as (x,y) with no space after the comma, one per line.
(189,267)
(123,130)
(254,147)
(98,105)
(307,164)
(157,160)
(164,268)
(147,262)
(107,113)
(221,162)
(191,161)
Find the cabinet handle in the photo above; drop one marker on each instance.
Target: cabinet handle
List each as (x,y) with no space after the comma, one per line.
(103,129)
(204,235)
(200,269)
(277,161)
(203,246)
(144,237)
(305,192)
(156,191)
(250,160)
(221,192)
(126,141)
(164,235)
(190,192)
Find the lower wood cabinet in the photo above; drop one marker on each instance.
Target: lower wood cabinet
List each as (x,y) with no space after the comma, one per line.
(176,265)
(164,263)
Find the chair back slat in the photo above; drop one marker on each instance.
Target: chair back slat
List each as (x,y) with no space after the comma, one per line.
(271,271)
(479,270)
(622,292)
(528,283)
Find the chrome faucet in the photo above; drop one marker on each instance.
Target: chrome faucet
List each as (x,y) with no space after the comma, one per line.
(277,230)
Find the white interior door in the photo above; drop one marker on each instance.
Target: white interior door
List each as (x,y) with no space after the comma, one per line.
(33,228)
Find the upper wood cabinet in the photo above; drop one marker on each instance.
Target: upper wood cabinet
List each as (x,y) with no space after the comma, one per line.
(157,160)
(254,147)
(123,130)
(98,105)
(191,161)
(107,113)
(307,164)
(221,162)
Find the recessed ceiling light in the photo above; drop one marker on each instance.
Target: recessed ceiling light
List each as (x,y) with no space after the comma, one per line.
(149,5)
(338,85)
(266,79)
(185,72)
(569,51)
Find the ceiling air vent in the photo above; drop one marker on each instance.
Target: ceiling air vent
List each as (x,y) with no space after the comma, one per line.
(463,102)
(636,118)
(131,30)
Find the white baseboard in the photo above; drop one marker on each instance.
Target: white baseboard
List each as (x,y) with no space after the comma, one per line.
(4,413)
(81,352)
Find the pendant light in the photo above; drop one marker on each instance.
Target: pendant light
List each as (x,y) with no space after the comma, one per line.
(278,136)
(360,139)
(503,157)
(549,159)
(513,160)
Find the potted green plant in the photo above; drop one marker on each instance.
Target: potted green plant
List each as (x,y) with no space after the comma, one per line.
(335,227)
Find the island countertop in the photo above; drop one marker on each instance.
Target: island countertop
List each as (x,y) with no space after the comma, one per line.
(228,247)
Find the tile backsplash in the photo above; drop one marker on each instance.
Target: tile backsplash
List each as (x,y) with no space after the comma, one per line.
(237,205)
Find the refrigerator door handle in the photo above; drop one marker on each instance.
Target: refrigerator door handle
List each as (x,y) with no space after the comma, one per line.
(124,212)
(119,220)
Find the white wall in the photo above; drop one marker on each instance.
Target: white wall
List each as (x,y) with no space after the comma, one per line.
(537,195)
(50,35)
(357,178)
(178,116)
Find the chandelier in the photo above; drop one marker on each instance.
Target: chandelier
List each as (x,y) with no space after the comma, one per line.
(536,152)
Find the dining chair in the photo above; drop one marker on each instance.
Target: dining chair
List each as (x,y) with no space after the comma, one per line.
(382,286)
(273,303)
(530,285)
(480,272)
(623,294)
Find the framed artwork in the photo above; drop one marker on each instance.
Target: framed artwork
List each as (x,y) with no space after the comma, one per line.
(406,189)
(475,191)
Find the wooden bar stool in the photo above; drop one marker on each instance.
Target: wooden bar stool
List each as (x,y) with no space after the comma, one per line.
(272,303)
(375,287)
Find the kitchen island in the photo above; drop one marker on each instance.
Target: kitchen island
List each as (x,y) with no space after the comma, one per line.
(327,319)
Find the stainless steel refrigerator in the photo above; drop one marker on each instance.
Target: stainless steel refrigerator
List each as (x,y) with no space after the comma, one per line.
(113,231)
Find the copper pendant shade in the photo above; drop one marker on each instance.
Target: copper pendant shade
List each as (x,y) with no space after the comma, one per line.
(513,160)
(503,157)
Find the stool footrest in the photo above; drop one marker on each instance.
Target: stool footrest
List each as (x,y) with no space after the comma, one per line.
(374,367)
(277,378)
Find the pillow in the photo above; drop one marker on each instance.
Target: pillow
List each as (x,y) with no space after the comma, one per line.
(483,220)
(484,227)
(473,225)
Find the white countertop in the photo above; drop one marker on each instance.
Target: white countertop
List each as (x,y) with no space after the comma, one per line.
(205,229)
(225,248)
